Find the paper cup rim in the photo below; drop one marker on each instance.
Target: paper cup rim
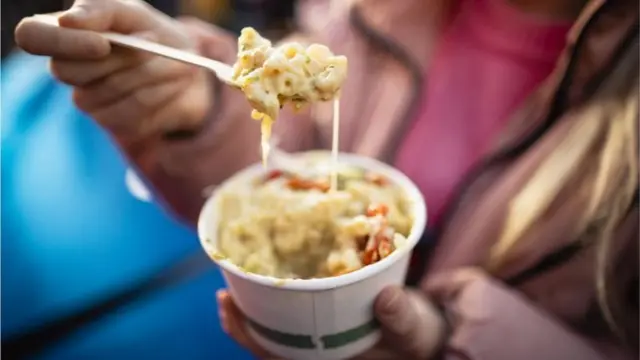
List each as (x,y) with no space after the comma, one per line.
(418,212)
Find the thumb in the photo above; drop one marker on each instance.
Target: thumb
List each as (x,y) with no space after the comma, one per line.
(213,42)
(87,15)
(120,16)
(410,322)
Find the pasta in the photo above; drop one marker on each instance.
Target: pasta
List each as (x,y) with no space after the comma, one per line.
(271,77)
(289,226)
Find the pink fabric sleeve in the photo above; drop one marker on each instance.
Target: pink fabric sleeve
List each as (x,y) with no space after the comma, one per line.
(180,169)
(491,322)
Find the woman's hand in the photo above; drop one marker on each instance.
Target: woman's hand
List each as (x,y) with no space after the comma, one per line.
(130,93)
(412,327)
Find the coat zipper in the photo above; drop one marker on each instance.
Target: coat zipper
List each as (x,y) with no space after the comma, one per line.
(389,46)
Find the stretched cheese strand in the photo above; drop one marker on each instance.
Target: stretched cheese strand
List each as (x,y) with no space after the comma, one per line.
(266,123)
(271,77)
(335,144)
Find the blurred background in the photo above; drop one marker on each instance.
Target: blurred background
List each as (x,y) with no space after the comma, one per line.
(92,266)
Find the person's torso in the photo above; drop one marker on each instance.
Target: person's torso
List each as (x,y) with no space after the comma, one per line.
(490,57)
(382,97)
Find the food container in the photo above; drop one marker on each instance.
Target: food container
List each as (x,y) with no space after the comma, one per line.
(327,318)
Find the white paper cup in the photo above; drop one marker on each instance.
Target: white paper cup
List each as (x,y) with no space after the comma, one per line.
(329,318)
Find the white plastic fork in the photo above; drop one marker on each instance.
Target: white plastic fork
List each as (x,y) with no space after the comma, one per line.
(223,71)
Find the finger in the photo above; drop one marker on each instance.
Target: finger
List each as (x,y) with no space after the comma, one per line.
(153,71)
(213,42)
(233,322)
(445,286)
(394,310)
(223,311)
(131,114)
(126,17)
(120,16)
(193,105)
(407,318)
(42,39)
(84,72)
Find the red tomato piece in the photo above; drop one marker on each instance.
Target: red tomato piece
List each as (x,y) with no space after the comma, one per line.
(377,209)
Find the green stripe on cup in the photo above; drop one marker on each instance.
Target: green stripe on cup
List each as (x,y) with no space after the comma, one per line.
(290,340)
(347,337)
(332,341)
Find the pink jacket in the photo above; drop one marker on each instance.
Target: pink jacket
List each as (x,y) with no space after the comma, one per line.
(540,301)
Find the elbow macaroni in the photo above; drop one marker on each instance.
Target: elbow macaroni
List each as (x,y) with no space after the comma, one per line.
(268,227)
(270,76)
